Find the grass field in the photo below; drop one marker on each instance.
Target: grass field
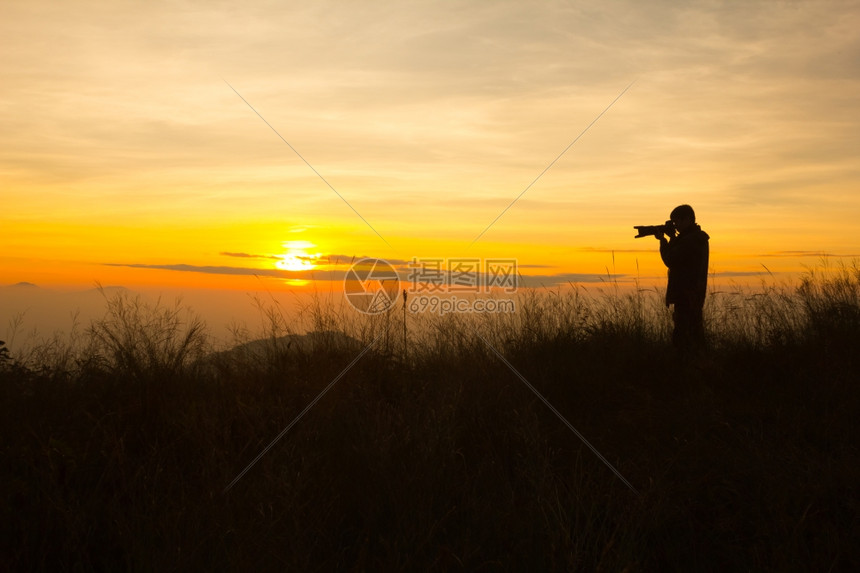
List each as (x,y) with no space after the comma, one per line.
(119,440)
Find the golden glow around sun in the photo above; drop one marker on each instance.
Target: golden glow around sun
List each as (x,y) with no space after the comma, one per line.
(294,263)
(296,257)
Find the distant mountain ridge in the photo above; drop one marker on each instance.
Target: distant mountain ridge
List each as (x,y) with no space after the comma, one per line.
(317,341)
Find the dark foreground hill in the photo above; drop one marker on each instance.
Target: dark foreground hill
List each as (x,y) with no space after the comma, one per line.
(437,455)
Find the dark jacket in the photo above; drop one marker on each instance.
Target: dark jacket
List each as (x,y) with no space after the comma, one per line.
(687,258)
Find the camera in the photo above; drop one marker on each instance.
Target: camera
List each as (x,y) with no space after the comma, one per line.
(667,228)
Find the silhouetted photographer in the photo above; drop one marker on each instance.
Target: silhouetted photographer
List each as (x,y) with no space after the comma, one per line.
(685,252)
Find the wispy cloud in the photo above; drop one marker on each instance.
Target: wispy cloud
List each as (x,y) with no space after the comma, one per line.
(446,277)
(249,256)
(246,271)
(534,281)
(730,274)
(802,254)
(601,250)
(347,260)
(332,259)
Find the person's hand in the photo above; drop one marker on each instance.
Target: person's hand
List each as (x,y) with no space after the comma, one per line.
(670,229)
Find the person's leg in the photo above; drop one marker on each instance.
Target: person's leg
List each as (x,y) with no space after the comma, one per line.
(697,328)
(688,336)
(681,319)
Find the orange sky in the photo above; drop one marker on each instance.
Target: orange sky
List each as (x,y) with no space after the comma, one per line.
(126,158)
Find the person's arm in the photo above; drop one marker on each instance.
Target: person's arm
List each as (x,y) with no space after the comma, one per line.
(665,250)
(678,252)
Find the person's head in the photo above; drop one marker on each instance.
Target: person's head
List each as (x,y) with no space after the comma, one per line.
(683,217)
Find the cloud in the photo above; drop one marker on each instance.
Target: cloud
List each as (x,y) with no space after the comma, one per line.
(249,256)
(246,271)
(414,280)
(335,259)
(597,250)
(445,277)
(797,254)
(729,274)
(568,278)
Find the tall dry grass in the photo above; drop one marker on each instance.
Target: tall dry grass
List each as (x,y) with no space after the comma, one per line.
(430,453)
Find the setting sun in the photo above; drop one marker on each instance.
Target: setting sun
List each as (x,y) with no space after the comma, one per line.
(297,258)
